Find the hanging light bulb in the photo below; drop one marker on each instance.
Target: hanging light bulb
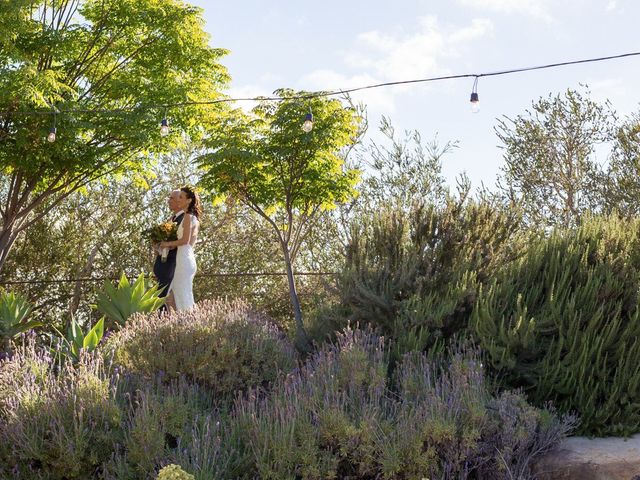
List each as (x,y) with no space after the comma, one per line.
(52,135)
(475,103)
(307,126)
(475,99)
(164,127)
(52,132)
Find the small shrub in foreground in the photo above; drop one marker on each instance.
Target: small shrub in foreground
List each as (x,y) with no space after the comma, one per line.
(337,417)
(56,424)
(226,347)
(117,303)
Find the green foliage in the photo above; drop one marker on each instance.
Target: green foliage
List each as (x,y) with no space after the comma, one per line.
(15,311)
(267,161)
(120,302)
(160,422)
(402,171)
(88,56)
(56,421)
(563,321)
(414,275)
(286,175)
(174,472)
(78,341)
(337,418)
(621,185)
(550,167)
(224,346)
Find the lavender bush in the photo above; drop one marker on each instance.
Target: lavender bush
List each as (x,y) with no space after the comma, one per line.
(224,346)
(56,420)
(161,419)
(337,417)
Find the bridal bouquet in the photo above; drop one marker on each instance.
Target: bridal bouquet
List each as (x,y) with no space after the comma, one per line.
(163,232)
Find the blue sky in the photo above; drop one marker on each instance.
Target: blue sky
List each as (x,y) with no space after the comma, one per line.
(314,45)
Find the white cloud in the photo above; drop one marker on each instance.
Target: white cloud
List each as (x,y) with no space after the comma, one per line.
(415,55)
(534,8)
(378,56)
(264,85)
(611,5)
(381,99)
(245,91)
(382,57)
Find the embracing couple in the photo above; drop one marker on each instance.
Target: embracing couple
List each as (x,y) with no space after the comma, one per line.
(175,275)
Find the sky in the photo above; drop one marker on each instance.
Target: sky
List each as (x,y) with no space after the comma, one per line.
(332,44)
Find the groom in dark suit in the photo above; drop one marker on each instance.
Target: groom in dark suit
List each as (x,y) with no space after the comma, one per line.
(164,270)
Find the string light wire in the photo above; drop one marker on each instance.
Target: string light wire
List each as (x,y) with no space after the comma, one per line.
(330,93)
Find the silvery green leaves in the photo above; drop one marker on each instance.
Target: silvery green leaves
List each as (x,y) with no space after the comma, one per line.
(15,311)
(118,303)
(78,341)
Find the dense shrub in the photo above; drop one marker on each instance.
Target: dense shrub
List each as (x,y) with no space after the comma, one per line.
(224,346)
(414,275)
(56,421)
(338,418)
(563,323)
(161,424)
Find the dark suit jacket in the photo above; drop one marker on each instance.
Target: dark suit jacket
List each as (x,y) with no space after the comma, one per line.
(164,270)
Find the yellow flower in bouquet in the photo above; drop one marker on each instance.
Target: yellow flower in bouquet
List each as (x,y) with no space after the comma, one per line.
(163,232)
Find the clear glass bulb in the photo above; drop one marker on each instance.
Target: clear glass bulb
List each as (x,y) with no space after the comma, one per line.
(164,127)
(307,126)
(475,103)
(52,136)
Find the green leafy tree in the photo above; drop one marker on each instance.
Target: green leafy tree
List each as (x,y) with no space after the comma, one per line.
(403,170)
(284,174)
(91,57)
(550,166)
(621,186)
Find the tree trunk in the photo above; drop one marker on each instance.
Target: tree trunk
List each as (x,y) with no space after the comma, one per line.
(74,304)
(302,341)
(8,237)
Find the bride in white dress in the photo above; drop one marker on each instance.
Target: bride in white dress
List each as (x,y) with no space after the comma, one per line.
(180,293)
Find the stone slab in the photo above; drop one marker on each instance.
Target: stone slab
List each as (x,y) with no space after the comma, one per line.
(583,458)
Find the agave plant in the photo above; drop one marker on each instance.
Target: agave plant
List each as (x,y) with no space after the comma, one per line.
(77,340)
(118,303)
(15,311)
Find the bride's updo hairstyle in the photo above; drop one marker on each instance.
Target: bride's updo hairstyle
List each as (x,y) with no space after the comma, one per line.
(195,208)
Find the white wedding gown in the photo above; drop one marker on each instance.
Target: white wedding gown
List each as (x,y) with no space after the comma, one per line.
(182,283)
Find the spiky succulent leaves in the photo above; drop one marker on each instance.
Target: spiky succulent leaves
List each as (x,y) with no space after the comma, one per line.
(14,313)
(119,302)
